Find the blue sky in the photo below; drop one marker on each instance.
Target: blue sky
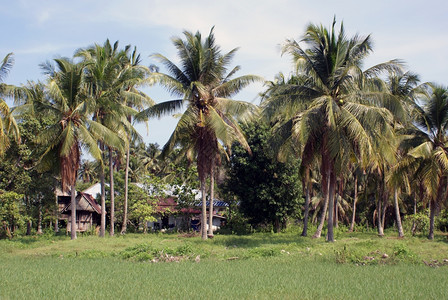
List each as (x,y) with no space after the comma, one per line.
(37,31)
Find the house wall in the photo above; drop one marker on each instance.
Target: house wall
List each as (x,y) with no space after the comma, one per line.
(84,222)
(173,222)
(181,223)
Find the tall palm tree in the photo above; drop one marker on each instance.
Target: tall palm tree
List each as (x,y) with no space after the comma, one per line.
(7,121)
(112,77)
(326,111)
(402,89)
(205,83)
(72,129)
(432,151)
(135,100)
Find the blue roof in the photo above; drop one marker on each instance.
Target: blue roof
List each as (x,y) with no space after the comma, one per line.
(216,203)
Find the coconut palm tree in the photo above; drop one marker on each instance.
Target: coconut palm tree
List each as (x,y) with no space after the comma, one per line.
(326,112)
(432,152)
(402,89)
(205,83)
(7,121)
(88,171)
(135,100)
(112,77)
(72,130)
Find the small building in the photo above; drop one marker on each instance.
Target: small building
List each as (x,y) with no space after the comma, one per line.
(169,215)
(88,211)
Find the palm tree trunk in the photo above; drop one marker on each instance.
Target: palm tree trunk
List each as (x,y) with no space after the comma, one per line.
(314,217)
(432,212)
(29,226)
(383,214)
(381,196)
(103,203)
(378,212)
(414,224)
(126,179)
(325,191)
(212,195)
(73,212)
(204,209)
(39,216)
(112,194)
(433,206)
(336,212)
(306,189)
(397,214)
(332,180)
(56,214)
(336,204)
(355,199)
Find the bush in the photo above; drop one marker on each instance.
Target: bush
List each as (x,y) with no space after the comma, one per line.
(421,223)
(236,225)
(402,252)
(139,252)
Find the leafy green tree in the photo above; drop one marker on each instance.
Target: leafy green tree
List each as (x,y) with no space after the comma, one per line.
(17,169)
(205,84)
(11,214)
(269,191)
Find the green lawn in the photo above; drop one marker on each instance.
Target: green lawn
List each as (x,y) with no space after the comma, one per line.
(259,266)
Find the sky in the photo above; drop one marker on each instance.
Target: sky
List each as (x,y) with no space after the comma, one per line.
(38,31)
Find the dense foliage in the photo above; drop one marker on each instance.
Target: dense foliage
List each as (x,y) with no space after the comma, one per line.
(268,191)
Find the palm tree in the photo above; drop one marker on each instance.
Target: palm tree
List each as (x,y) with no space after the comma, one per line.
(136,100)
(72,129)
(401,87)
(205,84)
(326,111)
(88,171)
(432,152)
(7,121)
(112,76)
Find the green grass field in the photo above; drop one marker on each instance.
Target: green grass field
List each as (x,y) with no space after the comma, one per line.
(259,266)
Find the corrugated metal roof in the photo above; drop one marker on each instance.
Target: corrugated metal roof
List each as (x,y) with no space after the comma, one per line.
(216,203)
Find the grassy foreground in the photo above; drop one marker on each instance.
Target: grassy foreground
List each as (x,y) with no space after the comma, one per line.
(260,266)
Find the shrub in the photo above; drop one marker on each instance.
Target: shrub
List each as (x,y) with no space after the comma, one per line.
(236,225)
(421,221)
(139,252)
(402,252)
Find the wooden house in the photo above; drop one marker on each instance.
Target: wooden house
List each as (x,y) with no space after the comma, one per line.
(88,211)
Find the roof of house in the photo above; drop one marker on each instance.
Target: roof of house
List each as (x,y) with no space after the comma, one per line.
(169,204)
(216,203)
(84,202)
(94,190)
